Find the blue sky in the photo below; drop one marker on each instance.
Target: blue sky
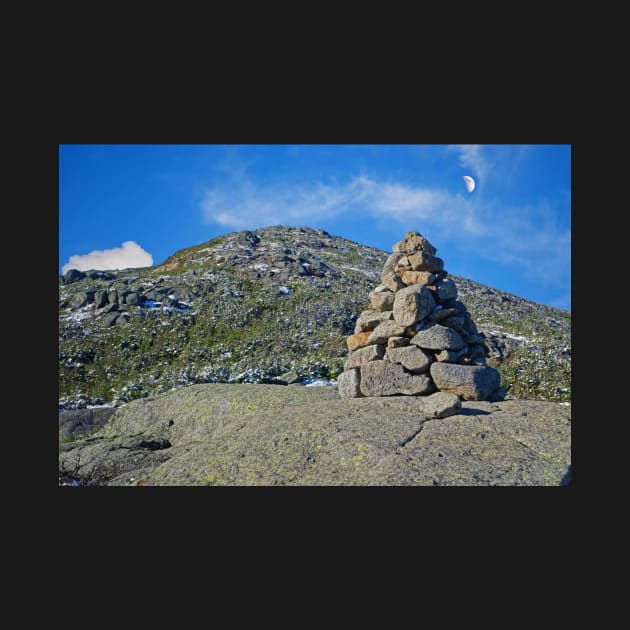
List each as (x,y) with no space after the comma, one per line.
(135,205)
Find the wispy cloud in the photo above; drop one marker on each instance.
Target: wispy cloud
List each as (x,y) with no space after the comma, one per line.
(471,156)
(127,256)
(248,205)
(526,237)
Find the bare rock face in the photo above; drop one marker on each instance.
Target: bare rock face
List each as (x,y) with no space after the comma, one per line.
(392,281)
(417,277)
(417,337)
(440,405)
(348,383)
(424,261)
(446,290)
(438,337)
(471,382)
(363,355)
(384,331)
(411,358)
(412,304)
(382,378)
(382,301)
(369,320)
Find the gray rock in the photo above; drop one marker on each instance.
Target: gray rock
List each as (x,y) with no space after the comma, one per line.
(364,355)
(289,377)
(72,275)
(412,304)
(81,299)
(266,435)
(423,261)
(414,242)
(443,313)
(456,323)
(445,290)
(80,423)
(382,378)
(417,277)
(109,319)
(456,304)
(471,382)
(392,281)
(113,296)
(450,356)
(348,383)
(440,405)
(382,301)
(123,318)
(134,299)
(438,337)
(410,357)
(391,262)
(369,320)
(397,342)
(384,331)
(473,339)
(100,299)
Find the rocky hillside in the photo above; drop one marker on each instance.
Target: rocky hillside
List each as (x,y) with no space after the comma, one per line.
(217,434)
(269,306)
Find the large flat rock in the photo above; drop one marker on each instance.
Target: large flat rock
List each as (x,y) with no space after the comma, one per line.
(219,434)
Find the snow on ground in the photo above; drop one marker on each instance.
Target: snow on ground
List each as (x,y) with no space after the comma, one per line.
(285,290)
(318,382)
(80,315)
(500,333)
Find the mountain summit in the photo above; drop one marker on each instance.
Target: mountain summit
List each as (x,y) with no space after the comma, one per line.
(273,305)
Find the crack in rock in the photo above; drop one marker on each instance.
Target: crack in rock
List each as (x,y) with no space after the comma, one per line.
(411,437)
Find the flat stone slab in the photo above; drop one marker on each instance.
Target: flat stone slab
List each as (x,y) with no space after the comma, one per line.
(270,435)
(382,378)
(471,382)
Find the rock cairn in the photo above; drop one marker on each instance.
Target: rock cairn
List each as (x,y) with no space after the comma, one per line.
(416,338)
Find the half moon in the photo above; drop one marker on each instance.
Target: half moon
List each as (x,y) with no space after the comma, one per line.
(470,183)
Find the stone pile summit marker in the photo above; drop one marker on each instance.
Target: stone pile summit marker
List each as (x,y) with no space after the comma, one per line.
(416,338)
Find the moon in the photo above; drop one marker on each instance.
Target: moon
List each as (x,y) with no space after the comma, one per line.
(470,183)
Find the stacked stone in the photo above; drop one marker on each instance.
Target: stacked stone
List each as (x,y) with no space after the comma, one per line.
(416,338)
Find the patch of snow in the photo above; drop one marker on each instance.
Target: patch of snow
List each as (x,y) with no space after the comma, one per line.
(510,336)
(172,297)
(152,304)
(285,290)
(99,406)
(318,382)
(565,404)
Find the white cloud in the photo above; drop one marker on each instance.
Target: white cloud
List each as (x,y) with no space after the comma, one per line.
(471,157)
(127,256)
(249,206)
(529,238)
